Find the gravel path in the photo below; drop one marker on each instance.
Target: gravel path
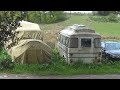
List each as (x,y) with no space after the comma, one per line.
(25,76)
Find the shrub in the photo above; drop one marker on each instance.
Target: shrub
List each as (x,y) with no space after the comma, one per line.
(112,18)
(46,17)
(56,58)
(99,18)
(6,64)
(5,60)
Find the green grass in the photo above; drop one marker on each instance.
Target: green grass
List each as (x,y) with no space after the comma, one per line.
(59,67)
(107,29)
(104,28)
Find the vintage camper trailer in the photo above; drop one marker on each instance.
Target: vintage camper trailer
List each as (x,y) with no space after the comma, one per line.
(78,42)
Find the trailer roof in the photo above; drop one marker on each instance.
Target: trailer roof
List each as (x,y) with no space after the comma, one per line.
(78,29)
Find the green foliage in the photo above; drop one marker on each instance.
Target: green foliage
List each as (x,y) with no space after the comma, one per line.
(105,13)
(4,55)
(57,59)
(99,18)
(110,18)
(5,60)
(46,16)
(6,64)
(8,23)
(105,16)
(34,17)
(55,55)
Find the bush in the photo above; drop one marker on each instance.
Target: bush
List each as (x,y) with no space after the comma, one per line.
(98,18)
(56,58)
(5,60)
(6,64)
(109,18)
(46,17)
(112,18)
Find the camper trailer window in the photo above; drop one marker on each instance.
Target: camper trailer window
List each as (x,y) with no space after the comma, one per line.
(60,39)
(73,43)
(86,42)
(66,41)
(63,40)
(97,42)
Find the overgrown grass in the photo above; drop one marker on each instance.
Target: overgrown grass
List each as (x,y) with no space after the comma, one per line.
(59,67)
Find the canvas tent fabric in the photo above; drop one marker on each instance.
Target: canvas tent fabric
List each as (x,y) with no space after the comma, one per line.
(30,49)
(28,30)
(31,52)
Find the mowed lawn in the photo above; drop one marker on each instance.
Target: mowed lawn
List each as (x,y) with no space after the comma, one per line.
(103,28)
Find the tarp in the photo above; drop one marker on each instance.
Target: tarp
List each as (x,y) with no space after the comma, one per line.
(30,49)
(28,30)
(31,52)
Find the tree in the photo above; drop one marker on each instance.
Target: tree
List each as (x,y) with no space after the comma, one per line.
(105,13)
(112,18)
(46,16)
(9,21)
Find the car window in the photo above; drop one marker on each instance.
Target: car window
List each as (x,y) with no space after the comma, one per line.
(112,46)
(103,44)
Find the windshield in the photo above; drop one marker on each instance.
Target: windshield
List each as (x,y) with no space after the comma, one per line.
(112,46)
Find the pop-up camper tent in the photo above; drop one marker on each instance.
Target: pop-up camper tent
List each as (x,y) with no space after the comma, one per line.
(29,48)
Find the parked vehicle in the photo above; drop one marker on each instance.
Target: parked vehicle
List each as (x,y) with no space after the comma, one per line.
(78,42)
(111,50)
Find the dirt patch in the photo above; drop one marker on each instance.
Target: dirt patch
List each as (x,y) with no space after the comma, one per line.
(111,37)
(50,37)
